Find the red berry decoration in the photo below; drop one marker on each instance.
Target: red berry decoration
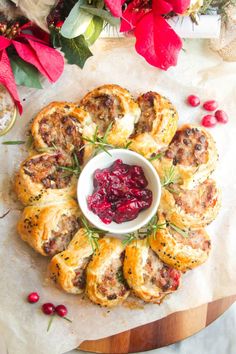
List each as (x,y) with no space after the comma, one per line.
(209,121)
(193,100)
(211,105)
(221,116)
(48,308)
(33,297)
(61,310)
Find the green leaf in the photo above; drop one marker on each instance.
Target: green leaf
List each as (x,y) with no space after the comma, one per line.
(77,21)
(94,29)
(25,74)
(55,38)
(105,15)
(76,50)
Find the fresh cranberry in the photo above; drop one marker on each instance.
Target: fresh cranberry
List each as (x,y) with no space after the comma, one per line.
(120,193)
(33,297)
(209,121)
(59,24)
(193,100)
(211,105)
(48,308)
(61,310)
(221,116)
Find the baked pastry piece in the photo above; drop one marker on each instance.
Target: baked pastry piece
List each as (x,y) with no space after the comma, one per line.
(149,278)
(112,104)
(105,284)
(63,125)
(42,178)
(156,126)
(193,208)
(48,229)
(193,154)
(68,268)
(180,250)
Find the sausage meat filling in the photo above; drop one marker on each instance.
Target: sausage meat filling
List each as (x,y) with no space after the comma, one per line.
(113,284)
(45,169)
(62,131)
(188,148)
(148,113)
(197,200)
(80,274)
(156,274)
(60,238)
(196,239)
(104,109)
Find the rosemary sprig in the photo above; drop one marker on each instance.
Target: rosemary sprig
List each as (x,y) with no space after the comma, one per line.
(128,238)
(127,145)
(74,169)
(183,233)
(13,142)
(145,232)
(155,157)
(169,177)
(48,148)
(100,143)
(92,233)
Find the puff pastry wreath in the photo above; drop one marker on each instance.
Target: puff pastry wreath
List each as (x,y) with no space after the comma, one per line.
(48,229)
(156,126)
(178,250)
(63,125)
(104,283)
(41,178)
(193,208)
(68,268)
(193,154)
(149,278)
(112,104)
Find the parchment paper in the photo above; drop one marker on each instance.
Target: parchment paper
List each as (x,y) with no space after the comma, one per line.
(199,71)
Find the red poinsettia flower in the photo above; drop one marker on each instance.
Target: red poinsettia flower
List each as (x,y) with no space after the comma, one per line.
(33,50)
(156,41)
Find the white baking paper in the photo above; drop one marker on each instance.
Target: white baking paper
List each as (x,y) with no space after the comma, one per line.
(199,71)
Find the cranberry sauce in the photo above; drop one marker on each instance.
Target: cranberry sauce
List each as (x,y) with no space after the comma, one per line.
(120,193)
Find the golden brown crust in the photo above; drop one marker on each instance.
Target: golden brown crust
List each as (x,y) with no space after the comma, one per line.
(104,285)
(40,179)
(49,228)
(146,275)
(193,208)
(178,251)
(192,166)
(156,126)
(68,268)
(112,104)
(63,124)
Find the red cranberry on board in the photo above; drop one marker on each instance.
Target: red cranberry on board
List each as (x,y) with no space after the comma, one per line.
(48,308)
(210,105)
(221,116)
(61,310)
(209,121)
(33,297)
(193,100)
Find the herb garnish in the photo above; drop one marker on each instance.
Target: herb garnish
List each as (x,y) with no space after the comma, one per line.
(74,169)
(169,177)
(155,157)
(100,143)
(183,233)
(92,234)
(13,142)
(145,232)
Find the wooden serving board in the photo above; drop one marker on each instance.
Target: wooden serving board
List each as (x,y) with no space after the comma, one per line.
(168,330)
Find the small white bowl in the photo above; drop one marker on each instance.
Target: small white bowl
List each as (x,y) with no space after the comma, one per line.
(103,160)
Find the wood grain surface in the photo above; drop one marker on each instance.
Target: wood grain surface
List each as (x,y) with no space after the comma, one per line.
(168,330)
